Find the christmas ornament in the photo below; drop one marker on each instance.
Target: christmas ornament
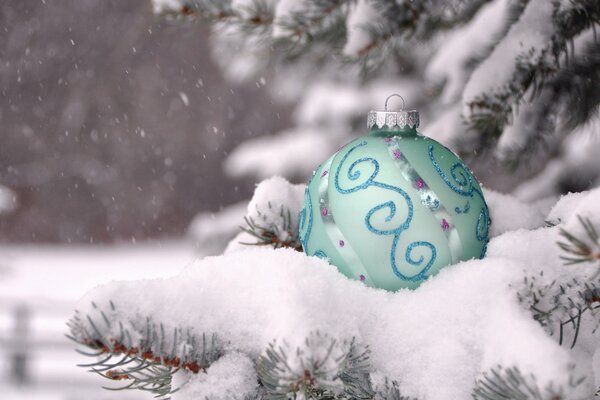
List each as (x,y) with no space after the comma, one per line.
(394,207)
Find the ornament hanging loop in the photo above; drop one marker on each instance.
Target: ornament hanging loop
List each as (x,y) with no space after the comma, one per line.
(394,120)
(394,95)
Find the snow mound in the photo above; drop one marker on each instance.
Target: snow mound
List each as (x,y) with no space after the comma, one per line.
(416,337)
(563,209)
(435,341)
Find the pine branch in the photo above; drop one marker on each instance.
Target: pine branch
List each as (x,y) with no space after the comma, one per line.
(390,391)
(320,21)
(578,84)
(323,369)
(572,96)
(535,293)
(404,20)
(581,249)
(268,233)
(510,384)
(561,305)
(146,357)
(492,111)
(564,304)
(323,22)
(256,16)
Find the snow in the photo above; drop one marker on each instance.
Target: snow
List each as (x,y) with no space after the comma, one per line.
(37,273)
(563,208)
(257,295)
(533,30)
(291,153)
(324,119)
(184,98)
(284,11)
(273,195)
(577,165)
(463,45)
(212,231)
(160,6)
(8,200)
(356,23)
(330,103)
(510,214)
(49,280)
(448,128)
(230,377)
(416,337)
(275,206)
(586,208)
(240,55)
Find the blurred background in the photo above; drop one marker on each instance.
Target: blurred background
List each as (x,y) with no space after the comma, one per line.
(132,134)
(114,124)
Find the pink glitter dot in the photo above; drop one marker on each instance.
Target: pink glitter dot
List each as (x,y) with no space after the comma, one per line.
(323,174)
(388,139)
(445,224)
(362,278)
(324,212)
(342,243)
(419,183)
(397,154)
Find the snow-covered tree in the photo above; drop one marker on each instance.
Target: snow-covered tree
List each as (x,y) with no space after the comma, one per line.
(503,77)
(509,84)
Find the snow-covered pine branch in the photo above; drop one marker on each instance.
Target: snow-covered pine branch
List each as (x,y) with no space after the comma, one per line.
(274,323)
(272,217)
(522,62)
(493,65)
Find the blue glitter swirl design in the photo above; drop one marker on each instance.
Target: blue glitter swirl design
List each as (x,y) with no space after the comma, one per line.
(462,184)
(354,174)
(465,209)
(411,261)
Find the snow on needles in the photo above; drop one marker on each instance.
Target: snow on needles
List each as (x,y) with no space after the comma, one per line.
(435,340)
(272,198)
(531,33)
(358,37)
(160,6)
(464,45)
(418,338)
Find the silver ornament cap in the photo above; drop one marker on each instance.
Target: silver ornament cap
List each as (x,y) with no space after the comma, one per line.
(393,119)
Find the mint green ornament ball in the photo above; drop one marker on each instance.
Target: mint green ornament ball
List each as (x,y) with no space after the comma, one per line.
(394,207)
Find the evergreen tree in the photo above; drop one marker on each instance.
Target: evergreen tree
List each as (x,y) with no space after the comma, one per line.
(506,78)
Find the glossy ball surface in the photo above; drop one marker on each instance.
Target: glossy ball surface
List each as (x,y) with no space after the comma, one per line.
(393,208)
